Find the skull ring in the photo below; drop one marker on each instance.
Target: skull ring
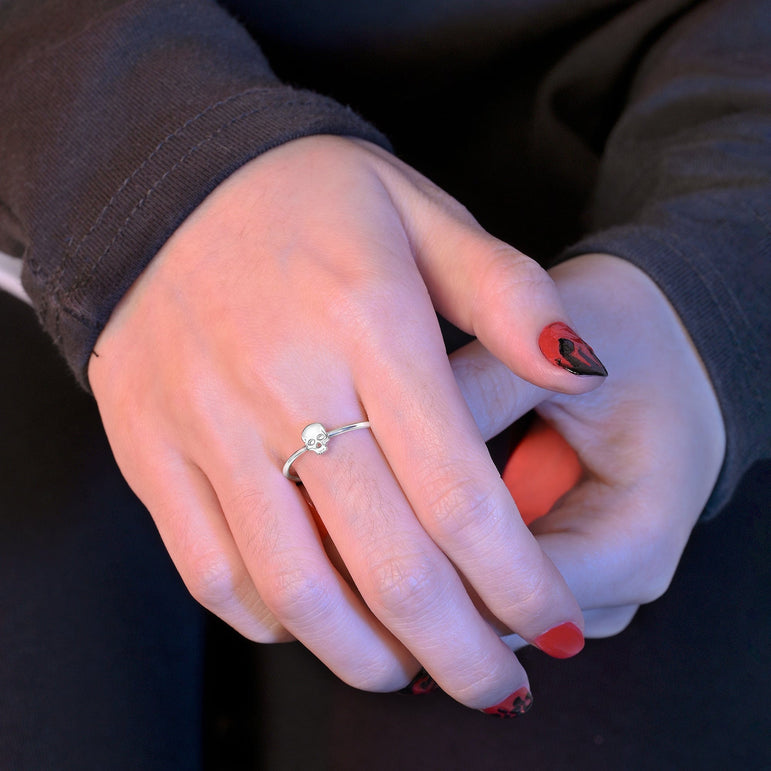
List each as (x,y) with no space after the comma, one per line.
(316,439)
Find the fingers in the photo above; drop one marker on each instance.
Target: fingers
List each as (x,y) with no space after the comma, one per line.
(434,450)
(511,304)
(195,532)
(612,536)
(251,552)
(406,569)
(613,550)
(614,546)
(405,579)
(280,545)
(270,545)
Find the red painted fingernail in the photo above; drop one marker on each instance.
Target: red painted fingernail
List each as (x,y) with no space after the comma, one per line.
(420,684)
(517,704)
(563,347)
(561,641)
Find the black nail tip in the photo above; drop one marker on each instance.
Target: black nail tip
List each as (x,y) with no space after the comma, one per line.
(597,371)
(579,359)
(517,704)
(420,684)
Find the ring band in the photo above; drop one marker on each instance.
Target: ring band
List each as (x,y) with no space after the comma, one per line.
(316,438)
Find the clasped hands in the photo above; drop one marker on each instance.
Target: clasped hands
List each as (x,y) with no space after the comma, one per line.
(304,289)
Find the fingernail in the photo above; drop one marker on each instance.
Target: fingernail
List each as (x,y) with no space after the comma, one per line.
(420,684)
(517,704)
(561,641)
(563,347)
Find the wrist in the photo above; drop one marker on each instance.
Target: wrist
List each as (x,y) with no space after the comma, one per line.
(646,348)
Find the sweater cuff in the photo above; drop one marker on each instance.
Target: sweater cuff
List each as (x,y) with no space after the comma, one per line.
(158,196)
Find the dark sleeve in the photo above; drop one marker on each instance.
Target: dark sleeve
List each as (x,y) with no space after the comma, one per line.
(116,120)
(683,191)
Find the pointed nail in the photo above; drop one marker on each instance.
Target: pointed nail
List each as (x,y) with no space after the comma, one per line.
(420,684)
(561,641)
(563,347)
(517,704)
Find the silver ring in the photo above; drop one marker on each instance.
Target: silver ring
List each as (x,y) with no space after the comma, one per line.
(316,439)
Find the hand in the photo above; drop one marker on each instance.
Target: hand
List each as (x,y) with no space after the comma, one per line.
(300,291)
(650,441)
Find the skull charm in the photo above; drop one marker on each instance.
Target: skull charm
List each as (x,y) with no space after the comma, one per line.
(316,438)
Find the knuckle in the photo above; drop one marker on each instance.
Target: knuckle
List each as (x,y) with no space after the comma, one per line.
(532,593)
(509,270)
(608,622)
(377,674)
(229,593)
(214,582)
(651,587)
(405,585)
(459,504)
(297,594)
(262,627)
(252,515)
(651,567)
(509,274)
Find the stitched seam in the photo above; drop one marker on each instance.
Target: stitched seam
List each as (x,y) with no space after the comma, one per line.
(84,280)
(87,276)
(71,256)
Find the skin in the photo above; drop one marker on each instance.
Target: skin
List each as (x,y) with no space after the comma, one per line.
(651,441)
(303,290)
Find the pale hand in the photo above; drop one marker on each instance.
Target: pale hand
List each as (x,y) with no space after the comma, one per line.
(650,441)
(303,290)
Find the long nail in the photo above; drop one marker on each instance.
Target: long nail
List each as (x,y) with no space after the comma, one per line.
(561,641)
(517,704)
(420,684)
(563,347)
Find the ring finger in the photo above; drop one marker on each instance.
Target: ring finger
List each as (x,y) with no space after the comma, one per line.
(405,579)
(282,550)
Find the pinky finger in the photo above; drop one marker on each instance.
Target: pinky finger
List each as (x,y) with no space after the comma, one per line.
(198,539)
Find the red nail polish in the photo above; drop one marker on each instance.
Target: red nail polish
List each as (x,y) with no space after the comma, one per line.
(517,704)
(563,347)
(420,684)
(561,641)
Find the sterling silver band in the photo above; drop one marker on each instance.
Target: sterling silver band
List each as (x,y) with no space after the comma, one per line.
(316,439)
